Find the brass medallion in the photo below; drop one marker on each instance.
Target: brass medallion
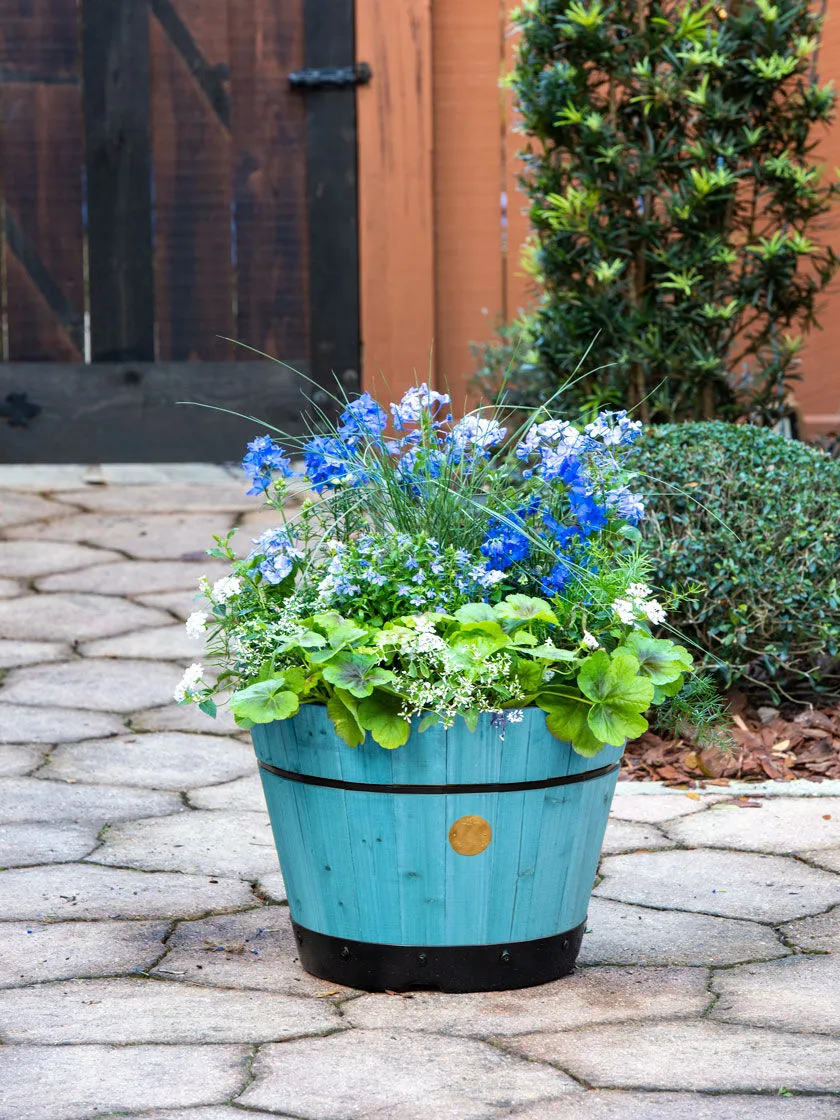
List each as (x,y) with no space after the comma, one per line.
(470,835)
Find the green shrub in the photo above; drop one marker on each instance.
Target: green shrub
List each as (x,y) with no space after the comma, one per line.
(755,519)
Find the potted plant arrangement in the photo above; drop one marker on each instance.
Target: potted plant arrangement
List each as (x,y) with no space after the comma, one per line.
(440,656)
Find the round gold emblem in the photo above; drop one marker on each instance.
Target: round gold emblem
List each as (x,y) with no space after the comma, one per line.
(470,835)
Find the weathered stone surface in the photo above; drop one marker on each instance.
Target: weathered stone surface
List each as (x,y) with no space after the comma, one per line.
(254,949)
(97,684)
(828,858)
(593,995)
(272,887)
(163,643)
(136,577)
(228,496)
(733,884)
(83,890)
(652,808)
(211,1112)
(20,724)
(21,509)
(777,827)
(22,845)
(632,836)
(183,717)
(620,934)
(16,760)
(9,588)
(686,1055)
(73,617)
(819,934)
(30,799)
(28,559)
(180,604)
(32,952)
(78,1082)
(208,842)
(399,1076)
(166,536)
(244,793)
(140,1010)
(617,1105)
(164,760)
(31,653)
(796,994)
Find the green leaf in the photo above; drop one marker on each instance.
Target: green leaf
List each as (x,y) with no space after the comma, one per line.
(357,673)
(659,658)
(566,719)
(529,674)
(380,715)
(470,718)
(524,608)
(345,635)
(619,696)
(209,708)
(264,702)
(475,612)
(428,721)
(344,719)
(553,653)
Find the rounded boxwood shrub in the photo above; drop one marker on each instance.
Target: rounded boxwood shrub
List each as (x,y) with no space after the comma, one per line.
(755,519)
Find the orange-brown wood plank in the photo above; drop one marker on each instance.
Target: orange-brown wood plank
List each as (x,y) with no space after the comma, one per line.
(41,158)
(469,153)
(268,127)
(518,285)
(396,243)
(194,282)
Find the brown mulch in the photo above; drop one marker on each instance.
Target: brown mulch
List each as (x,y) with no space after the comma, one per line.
(766,744)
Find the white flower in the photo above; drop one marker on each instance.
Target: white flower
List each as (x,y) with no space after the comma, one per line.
(638,591)
(189,683)
(625,610)
(225,588)
(476,430)
(654,610)
(590,640)
(515,715)
(196,624)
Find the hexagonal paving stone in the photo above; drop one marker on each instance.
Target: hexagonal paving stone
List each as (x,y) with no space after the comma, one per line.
(9,588)
(227,496)
(140,1010)
(819,934)
(32,952)
(83,890)
(689,1055)
(98,684)
(617,933)
(164,760)
(73,617)
(165,536)
(244,793)
(398,1076)
(136,577)
(20,724)
(18,760)
(216,843)
(254,949)
(13,654)
(183,717)
(78,1082)
(21,509)
(24,845)
(630,836)
(161,643)
(652,808)
(593,995)
(797,994)
(733,884)
(28,559)
(779,826)
(30,799)
(604,1104)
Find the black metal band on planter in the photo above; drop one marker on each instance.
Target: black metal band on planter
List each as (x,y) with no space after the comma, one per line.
(491,787)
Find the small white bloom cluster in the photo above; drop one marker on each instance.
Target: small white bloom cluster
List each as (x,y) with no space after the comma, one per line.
(196,624)
(590,641)
(638,604)
(190,683)
(225,589)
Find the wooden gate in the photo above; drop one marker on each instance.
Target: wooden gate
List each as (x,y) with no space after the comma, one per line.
(165,189)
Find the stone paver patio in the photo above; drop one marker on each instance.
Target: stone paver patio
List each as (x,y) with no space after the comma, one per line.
(147,966)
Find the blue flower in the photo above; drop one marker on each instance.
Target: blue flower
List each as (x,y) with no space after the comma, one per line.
(415,403)
(505,543)
(362,418)
(261,459)
(629,505)
(589,515)
(557,578)
(614,428)
(278,552)
(329,462)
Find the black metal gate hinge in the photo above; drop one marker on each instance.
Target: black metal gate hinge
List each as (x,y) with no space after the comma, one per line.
(19,410)
(331,77)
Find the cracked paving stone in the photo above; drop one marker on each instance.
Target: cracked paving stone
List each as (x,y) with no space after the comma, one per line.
(685,1054)
(19,759)
(132,1010)
(136,577)
(97,684)
(212,1112)
(252,950)
(84,890)
(593,995)
(20,724)
(183,717)
(211,842)
(179,603)
(33,559)
(654,808)
(161,643)
(163,760)
(31,953)
(778,827)
(9,588)
(22,509)
(617,933)
(820,934)
(31,799)
(73,617)
(243,793)
(630,836)
(166,536)
(605,1104)
(25,845)
(732,884)
(78,1082)
(154,498)
(272,886)
(795,994)
(13,654)
(358,1075)
(828,859)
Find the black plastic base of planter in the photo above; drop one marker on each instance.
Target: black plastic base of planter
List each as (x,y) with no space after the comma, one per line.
(375,967)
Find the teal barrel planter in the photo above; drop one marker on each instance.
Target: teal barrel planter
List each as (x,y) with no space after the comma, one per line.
(461,861)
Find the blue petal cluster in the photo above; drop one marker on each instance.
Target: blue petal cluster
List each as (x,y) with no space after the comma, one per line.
(264,458)
(277,553)
(362,419)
